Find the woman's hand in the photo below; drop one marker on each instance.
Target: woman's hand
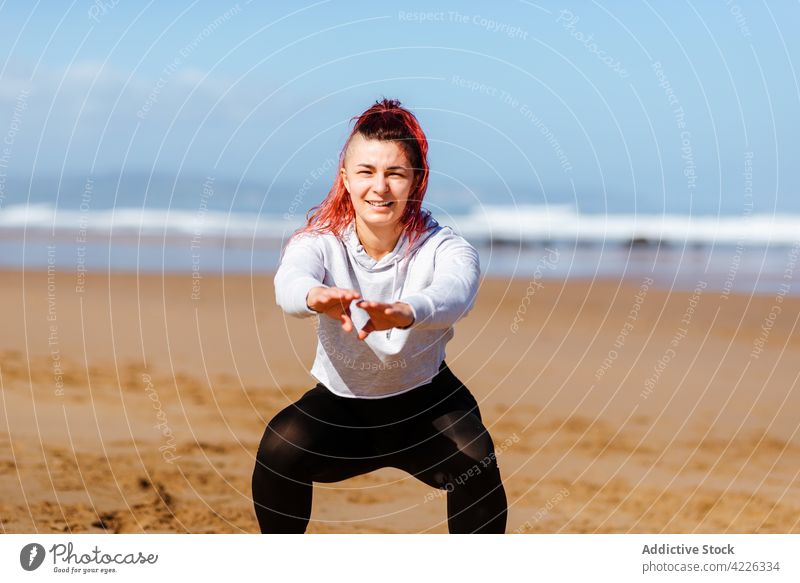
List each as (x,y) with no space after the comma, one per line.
(334,302)
(384,316)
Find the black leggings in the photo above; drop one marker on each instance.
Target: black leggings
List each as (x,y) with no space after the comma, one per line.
(433,432)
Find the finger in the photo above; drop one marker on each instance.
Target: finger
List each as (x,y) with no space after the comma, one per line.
(364,332)
(345,296)
(372,305)
(336,294)
(350,293)
(338,298)
(347,322)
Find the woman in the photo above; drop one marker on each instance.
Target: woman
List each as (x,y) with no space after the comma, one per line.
(387,284)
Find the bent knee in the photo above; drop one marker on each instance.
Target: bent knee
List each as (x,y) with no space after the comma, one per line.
(474,445)
(284,443)
(475,464)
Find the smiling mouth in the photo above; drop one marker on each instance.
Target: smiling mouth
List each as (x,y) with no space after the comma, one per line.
(380,204)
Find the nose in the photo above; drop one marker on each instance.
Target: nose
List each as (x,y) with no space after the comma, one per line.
(380,184)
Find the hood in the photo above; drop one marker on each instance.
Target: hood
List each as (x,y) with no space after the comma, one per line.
(357,252)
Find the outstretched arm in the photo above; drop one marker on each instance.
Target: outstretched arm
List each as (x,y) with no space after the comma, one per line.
(451,294)
(301,269)
(299,290)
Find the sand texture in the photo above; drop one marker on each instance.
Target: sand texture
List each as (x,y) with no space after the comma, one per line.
(131,407)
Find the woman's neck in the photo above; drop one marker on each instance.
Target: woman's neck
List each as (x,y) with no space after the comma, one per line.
(377,243)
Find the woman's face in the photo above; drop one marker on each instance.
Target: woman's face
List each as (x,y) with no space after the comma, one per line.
(379,179)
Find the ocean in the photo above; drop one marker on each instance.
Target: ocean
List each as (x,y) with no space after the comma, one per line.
(209,227)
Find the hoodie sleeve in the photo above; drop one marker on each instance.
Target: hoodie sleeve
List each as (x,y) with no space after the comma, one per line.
(451,294)
(301,269)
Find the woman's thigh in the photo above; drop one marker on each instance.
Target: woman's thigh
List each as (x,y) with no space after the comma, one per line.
(449,441)
(318,438)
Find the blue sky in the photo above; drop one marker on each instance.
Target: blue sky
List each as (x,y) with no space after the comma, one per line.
(524,102)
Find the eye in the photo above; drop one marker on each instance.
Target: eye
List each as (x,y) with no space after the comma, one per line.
(365,172)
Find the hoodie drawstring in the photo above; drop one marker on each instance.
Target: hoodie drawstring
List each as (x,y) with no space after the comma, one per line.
(394,284)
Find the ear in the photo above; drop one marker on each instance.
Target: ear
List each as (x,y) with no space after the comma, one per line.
(344,178)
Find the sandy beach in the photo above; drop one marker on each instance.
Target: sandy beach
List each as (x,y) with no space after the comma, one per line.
(136,403)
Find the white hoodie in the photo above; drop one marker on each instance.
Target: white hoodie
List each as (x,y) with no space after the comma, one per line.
(439,279)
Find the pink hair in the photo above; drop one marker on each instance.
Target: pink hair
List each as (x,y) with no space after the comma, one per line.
(387,120)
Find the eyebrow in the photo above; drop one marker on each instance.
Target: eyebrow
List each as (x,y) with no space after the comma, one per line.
(371,167)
